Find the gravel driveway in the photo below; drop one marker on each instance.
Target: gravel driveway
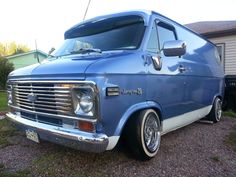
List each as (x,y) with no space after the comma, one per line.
(195,150)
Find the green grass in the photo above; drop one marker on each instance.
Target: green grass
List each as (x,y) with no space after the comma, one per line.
(3,101)
(215,159)
(231,138)
(54,164)
(1,167)
(229,114)
(6,130)
(3,173)
(49,164)
(23,173)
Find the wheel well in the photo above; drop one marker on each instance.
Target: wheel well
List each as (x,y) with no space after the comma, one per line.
(217,96)
(133,115)
(220,97)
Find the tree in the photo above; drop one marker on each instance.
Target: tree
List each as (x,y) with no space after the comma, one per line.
(12,48)
(5,68)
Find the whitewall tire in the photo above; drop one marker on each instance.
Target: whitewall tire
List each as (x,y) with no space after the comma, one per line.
(144,134)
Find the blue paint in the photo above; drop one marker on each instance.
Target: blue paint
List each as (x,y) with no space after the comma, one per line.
(168,90)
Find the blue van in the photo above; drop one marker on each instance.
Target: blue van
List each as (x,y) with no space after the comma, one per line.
(137,74)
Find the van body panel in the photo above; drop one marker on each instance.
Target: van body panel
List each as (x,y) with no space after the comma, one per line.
(106,88)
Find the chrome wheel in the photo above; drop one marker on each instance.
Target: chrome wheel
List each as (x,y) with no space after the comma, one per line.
(151,133)
(218,109)
(143,132)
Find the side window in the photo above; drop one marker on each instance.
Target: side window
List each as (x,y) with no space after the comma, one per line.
(165,33)
(221,51)
(152,45)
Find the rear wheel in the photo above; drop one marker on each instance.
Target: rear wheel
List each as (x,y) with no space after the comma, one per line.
(144,135)
(216,111)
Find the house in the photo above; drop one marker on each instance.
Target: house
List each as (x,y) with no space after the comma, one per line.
(26,59)
(223,35)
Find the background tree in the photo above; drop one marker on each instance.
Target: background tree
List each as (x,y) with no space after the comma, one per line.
(12,48)
(5,68)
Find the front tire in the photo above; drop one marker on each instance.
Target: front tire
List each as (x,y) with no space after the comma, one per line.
(144,135)
(216,111)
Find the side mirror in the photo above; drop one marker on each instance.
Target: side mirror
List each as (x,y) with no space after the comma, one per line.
(51,50)
(157,63)
(174,48)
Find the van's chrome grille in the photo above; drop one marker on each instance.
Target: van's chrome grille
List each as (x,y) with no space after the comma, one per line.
(43,98)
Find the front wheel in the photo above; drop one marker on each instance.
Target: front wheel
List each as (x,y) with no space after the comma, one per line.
(216,111)
(144,135)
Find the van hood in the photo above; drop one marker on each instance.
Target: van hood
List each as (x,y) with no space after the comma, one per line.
(67,67)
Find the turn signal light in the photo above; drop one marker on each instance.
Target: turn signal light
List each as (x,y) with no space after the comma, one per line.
(85,126)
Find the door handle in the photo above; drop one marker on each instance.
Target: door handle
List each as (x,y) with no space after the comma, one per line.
(181,68)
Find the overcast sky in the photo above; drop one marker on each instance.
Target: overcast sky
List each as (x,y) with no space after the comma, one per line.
(25,21)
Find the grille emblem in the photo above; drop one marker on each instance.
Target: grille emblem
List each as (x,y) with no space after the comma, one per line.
(32,97)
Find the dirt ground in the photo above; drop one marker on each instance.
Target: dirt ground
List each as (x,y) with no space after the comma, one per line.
(199,149)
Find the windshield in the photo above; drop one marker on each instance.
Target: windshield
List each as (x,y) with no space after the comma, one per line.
(120,33)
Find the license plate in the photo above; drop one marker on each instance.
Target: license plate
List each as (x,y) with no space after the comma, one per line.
(32,135)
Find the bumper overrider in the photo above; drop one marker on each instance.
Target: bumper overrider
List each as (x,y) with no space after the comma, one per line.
(89,142)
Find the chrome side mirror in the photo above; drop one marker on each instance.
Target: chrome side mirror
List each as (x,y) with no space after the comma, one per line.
(157,63)
(174,48)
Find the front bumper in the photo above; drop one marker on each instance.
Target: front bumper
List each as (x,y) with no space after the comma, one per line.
(90,142)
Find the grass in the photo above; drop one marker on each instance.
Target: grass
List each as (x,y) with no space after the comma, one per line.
(1,167)
(229,114)
(6,130)
(22,173)
(59,162)
(49,164)
(215,159)
(231,138)
(3,101)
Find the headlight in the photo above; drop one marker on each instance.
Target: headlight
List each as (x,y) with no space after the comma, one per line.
(84,101)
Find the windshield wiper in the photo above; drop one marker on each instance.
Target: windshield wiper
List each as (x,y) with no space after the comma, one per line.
(86,50)
(52,56)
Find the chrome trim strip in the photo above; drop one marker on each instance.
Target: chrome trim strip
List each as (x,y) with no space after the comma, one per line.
(39,87)
(45,102)
(43,91)
(52,81)
(54,115)
(45,98)
(39,94)
(41,106)
(92,142)
(43,109)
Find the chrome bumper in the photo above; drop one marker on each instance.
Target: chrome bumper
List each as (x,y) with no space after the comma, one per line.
(90,142)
